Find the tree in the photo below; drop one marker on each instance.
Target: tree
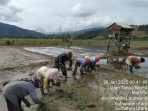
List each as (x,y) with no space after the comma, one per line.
(65,38)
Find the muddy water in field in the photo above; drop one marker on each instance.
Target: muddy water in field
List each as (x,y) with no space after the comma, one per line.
(54,51)
(88,48)
(77,92)
(90,92)
(15,64)
(90,89)
(117,62)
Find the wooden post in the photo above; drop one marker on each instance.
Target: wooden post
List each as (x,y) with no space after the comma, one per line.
(118,43)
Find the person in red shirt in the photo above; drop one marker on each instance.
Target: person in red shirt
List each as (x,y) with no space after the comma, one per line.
(133,61)
(93,61)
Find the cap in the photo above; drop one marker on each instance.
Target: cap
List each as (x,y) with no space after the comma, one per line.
(70,54)
(97,59)
(87,58)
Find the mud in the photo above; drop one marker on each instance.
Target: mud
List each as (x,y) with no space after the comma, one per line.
(112,62)
(15,64)
(77,93)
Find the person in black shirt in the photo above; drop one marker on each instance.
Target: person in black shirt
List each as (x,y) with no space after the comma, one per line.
(60,62)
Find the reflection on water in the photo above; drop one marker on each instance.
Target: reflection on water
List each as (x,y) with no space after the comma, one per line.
(54,51)
(88,48)
(116,62)
(112,62)
(119,63)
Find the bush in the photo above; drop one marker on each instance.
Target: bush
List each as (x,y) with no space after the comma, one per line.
(8,42)
(82,106)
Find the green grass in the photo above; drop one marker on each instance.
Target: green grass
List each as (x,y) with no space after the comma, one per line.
(56,106)
(98,65)
(57,84)
(82,106)
(46,42)
(40,108)
(49,42)
(74,99)
(30,42)
(139,41)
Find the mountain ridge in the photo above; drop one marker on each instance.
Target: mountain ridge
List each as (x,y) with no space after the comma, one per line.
(12,31)
(9,30)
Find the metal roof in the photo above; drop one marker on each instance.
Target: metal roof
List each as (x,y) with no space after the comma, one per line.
(124,26)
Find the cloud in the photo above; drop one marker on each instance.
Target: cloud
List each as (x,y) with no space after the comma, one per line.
(84,10)
(8,13)
(90,22)
(79,10)
(72,15)
(138,4)
(4,2)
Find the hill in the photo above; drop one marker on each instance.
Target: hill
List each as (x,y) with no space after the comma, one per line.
(83,34)
(11,31)
(90,29)
(91,33)
(140,32)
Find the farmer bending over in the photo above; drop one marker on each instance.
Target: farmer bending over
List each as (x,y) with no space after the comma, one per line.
(133,61)
(81,62)
(93,61)
(60,62)
(49,75)
(15,92)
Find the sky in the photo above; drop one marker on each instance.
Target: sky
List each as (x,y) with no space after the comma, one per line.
(72,15)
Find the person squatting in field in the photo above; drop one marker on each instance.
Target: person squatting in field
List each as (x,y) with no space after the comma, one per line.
(15,92)
(82,63)
(49,75)
(60,62)
(93,60)
(133,61)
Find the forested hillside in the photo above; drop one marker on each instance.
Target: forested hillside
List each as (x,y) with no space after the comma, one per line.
(93,34)
(143,28)
(139,33)
(11,31)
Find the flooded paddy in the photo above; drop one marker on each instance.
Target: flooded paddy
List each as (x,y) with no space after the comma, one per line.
(116,62)
(77,51)
(91,92)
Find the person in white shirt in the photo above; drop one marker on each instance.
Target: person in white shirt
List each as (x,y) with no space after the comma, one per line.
(49,75)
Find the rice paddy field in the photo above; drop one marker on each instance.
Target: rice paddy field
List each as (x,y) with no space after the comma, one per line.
(110,88)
